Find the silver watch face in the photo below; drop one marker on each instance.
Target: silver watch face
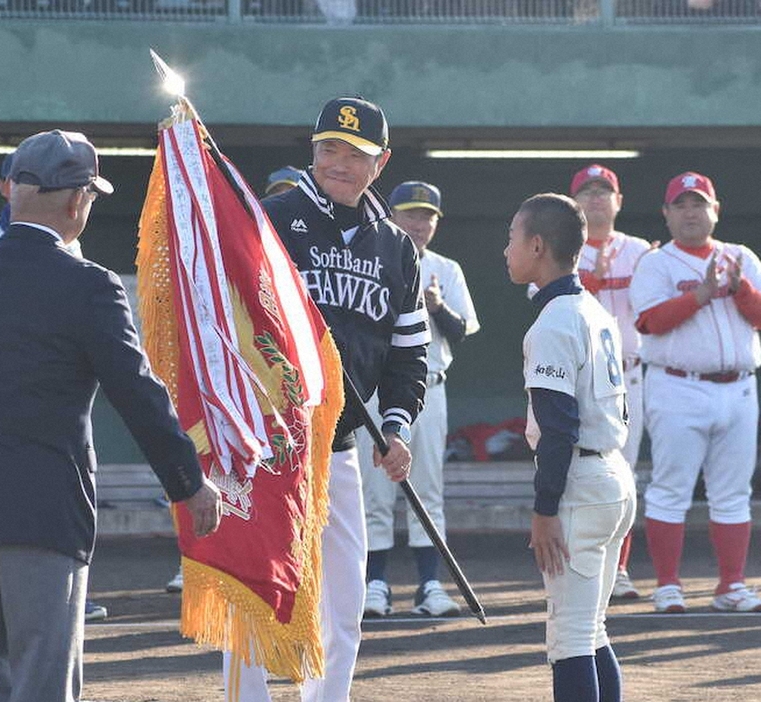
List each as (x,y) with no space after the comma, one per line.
(404,434)
(401,430)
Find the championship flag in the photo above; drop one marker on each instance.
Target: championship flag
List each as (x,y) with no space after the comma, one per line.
(256,380)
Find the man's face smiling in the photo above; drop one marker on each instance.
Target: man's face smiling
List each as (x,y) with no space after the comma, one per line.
(343,172)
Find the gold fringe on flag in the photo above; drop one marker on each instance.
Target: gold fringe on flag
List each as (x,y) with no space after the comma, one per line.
(220,611)
(154,284)
(217,609)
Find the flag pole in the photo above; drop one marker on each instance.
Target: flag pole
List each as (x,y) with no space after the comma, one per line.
(419,508)
(175,84)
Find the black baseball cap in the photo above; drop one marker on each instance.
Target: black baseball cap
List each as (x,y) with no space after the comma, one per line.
(355,121)
(58,160)
(285,175)
(413,194)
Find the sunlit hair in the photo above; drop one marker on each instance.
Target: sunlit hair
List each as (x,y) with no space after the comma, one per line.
(559,222)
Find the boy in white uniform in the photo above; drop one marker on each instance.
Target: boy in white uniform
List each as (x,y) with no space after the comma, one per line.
(585,497)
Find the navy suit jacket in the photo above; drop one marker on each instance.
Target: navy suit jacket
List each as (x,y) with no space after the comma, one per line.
(65,327)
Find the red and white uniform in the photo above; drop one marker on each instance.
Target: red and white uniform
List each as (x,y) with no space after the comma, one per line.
(701,408)
(613,294)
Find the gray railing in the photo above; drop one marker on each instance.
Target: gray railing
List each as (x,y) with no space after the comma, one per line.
(397,12)
(690,11)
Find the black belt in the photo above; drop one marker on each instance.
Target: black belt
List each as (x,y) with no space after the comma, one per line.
(585,453)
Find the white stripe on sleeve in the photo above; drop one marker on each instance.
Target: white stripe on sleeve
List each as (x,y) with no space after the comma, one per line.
(397,414)
(407,340)
(407,319)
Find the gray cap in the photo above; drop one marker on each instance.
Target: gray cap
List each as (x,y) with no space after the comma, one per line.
(57,160)
(5,168)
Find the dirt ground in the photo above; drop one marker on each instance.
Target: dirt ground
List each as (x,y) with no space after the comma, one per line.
(136,655)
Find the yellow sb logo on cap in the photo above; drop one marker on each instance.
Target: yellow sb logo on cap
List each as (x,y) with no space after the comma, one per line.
(420,194)
(348,118)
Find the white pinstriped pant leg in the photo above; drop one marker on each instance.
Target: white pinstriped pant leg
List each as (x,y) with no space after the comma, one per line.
(378,491)
(252,682)
(429,436)
(344,560)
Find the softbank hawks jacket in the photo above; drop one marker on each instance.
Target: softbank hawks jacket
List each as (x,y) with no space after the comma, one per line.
(369,294)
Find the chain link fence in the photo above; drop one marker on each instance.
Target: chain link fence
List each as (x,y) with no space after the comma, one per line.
(397,12)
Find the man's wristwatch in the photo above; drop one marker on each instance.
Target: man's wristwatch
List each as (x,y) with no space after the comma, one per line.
(401,430)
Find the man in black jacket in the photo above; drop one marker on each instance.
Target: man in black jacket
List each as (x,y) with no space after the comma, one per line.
(65,328)
(364,275)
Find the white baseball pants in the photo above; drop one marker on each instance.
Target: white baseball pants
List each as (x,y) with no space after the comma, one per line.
(429,436)
(696,424)
(344,559)
(597,511)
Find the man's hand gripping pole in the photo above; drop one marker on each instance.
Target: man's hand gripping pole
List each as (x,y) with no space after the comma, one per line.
(420,511)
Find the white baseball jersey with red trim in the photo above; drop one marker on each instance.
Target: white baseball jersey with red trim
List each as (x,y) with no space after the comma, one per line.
(625,252)
(717,337)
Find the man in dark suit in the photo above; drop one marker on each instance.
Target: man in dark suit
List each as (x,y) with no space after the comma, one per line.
(5,191)
(65,328)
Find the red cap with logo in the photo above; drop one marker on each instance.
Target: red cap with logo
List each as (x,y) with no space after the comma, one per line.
(690,182)
(594,172)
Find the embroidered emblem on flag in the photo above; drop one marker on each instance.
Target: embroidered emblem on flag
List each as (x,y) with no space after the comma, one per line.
(256,381)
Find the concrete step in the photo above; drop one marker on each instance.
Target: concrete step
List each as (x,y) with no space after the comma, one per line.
(135,517)
(128,496)
(481,497)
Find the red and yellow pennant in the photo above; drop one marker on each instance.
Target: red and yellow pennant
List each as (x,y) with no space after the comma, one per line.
(256,380)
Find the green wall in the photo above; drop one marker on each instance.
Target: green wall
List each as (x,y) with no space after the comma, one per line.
(424,76)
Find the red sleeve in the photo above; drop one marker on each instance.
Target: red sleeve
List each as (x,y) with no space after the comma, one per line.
(590,281)
(668,315)
(748,301)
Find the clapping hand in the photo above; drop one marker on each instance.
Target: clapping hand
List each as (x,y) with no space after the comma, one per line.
(433,298)
(605,256)
(735,273)
(710,285)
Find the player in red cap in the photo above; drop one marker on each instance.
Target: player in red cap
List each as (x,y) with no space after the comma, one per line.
(698,303)
(606,263)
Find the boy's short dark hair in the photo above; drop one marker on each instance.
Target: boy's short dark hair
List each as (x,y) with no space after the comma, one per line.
(560,223)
